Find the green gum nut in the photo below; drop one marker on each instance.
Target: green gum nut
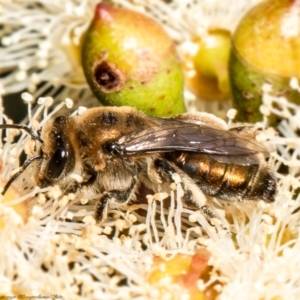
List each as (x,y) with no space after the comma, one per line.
(265,49)
(128,59)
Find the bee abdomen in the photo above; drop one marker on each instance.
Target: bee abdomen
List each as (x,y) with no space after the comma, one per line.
(228,181)
(264,187)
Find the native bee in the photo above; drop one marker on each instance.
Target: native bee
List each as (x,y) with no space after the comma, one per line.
(116,149)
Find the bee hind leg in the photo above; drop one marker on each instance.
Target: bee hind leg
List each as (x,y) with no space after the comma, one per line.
(114,196)
(193,197)
(193,192)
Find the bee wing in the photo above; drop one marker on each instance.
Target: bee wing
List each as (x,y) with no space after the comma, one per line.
(170,136)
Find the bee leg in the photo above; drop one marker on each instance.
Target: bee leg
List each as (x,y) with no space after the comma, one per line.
(193,197)
(101,208)
(114,196)
(189,201)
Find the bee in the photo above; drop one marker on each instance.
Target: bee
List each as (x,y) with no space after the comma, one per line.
(114,150)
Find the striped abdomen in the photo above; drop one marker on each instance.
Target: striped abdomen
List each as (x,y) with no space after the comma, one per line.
(228,181)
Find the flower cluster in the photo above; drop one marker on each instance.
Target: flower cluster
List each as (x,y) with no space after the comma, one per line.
(50,243)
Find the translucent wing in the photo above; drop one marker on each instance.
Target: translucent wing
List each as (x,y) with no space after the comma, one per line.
(169,136)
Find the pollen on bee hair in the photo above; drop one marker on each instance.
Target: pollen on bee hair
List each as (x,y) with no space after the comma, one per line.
(76,177)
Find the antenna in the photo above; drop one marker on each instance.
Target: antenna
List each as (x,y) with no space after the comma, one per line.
(16,175)
(23,127)
(36,137)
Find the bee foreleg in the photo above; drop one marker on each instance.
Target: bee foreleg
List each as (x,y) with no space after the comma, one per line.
(114,196)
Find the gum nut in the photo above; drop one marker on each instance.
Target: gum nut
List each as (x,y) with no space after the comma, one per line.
(265,49)
(128,59)
(210,80)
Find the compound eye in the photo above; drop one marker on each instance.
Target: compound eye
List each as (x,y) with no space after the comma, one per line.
(57,162)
